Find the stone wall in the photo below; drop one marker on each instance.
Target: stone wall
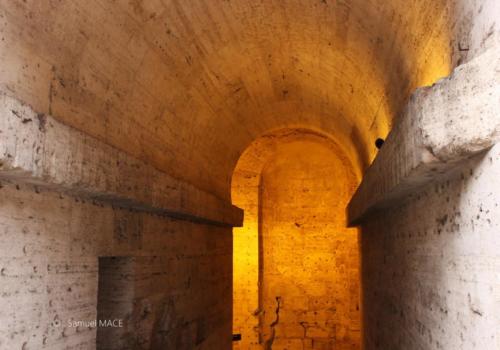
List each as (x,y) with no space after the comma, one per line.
(169,94)
(177,293)
(310,276)
(429,211)
(253,310)
(246,275)
(88,232)
(430,266)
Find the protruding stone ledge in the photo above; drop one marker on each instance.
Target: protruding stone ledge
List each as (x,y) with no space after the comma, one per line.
(442,127)
(39,150)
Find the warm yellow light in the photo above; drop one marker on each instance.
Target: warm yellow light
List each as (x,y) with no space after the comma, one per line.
(293,245)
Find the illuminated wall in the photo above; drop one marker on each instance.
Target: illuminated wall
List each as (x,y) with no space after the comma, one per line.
(294,186)
(245,261)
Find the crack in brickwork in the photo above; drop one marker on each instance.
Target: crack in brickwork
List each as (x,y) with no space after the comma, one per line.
(269,343)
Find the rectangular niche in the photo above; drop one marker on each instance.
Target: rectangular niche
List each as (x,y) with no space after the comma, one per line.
(115,296)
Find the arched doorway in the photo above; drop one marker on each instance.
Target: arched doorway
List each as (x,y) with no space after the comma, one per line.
(296,265)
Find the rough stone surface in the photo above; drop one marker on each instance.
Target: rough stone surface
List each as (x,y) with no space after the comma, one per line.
(430,265)
(294,185)
(442,127)
(310,260)
(178,282)
(247,241)
(186,86)
(37,149)
(430,252)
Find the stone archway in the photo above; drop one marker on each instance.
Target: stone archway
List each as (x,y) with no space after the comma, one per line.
(295,276)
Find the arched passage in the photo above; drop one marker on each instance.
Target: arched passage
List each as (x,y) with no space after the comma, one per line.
(293,248)
(150,104)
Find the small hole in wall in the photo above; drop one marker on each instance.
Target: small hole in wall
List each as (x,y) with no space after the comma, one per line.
(379,143)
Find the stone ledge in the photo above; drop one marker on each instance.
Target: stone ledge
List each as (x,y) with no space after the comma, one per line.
(37,149)
(443,126)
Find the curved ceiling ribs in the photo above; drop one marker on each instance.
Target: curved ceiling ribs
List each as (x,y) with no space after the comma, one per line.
(188,85)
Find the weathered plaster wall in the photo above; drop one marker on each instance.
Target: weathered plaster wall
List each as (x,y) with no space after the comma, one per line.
(180,283)
(309,259)
(430,265)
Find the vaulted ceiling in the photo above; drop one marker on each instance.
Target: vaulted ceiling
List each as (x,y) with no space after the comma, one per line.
(187,85)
